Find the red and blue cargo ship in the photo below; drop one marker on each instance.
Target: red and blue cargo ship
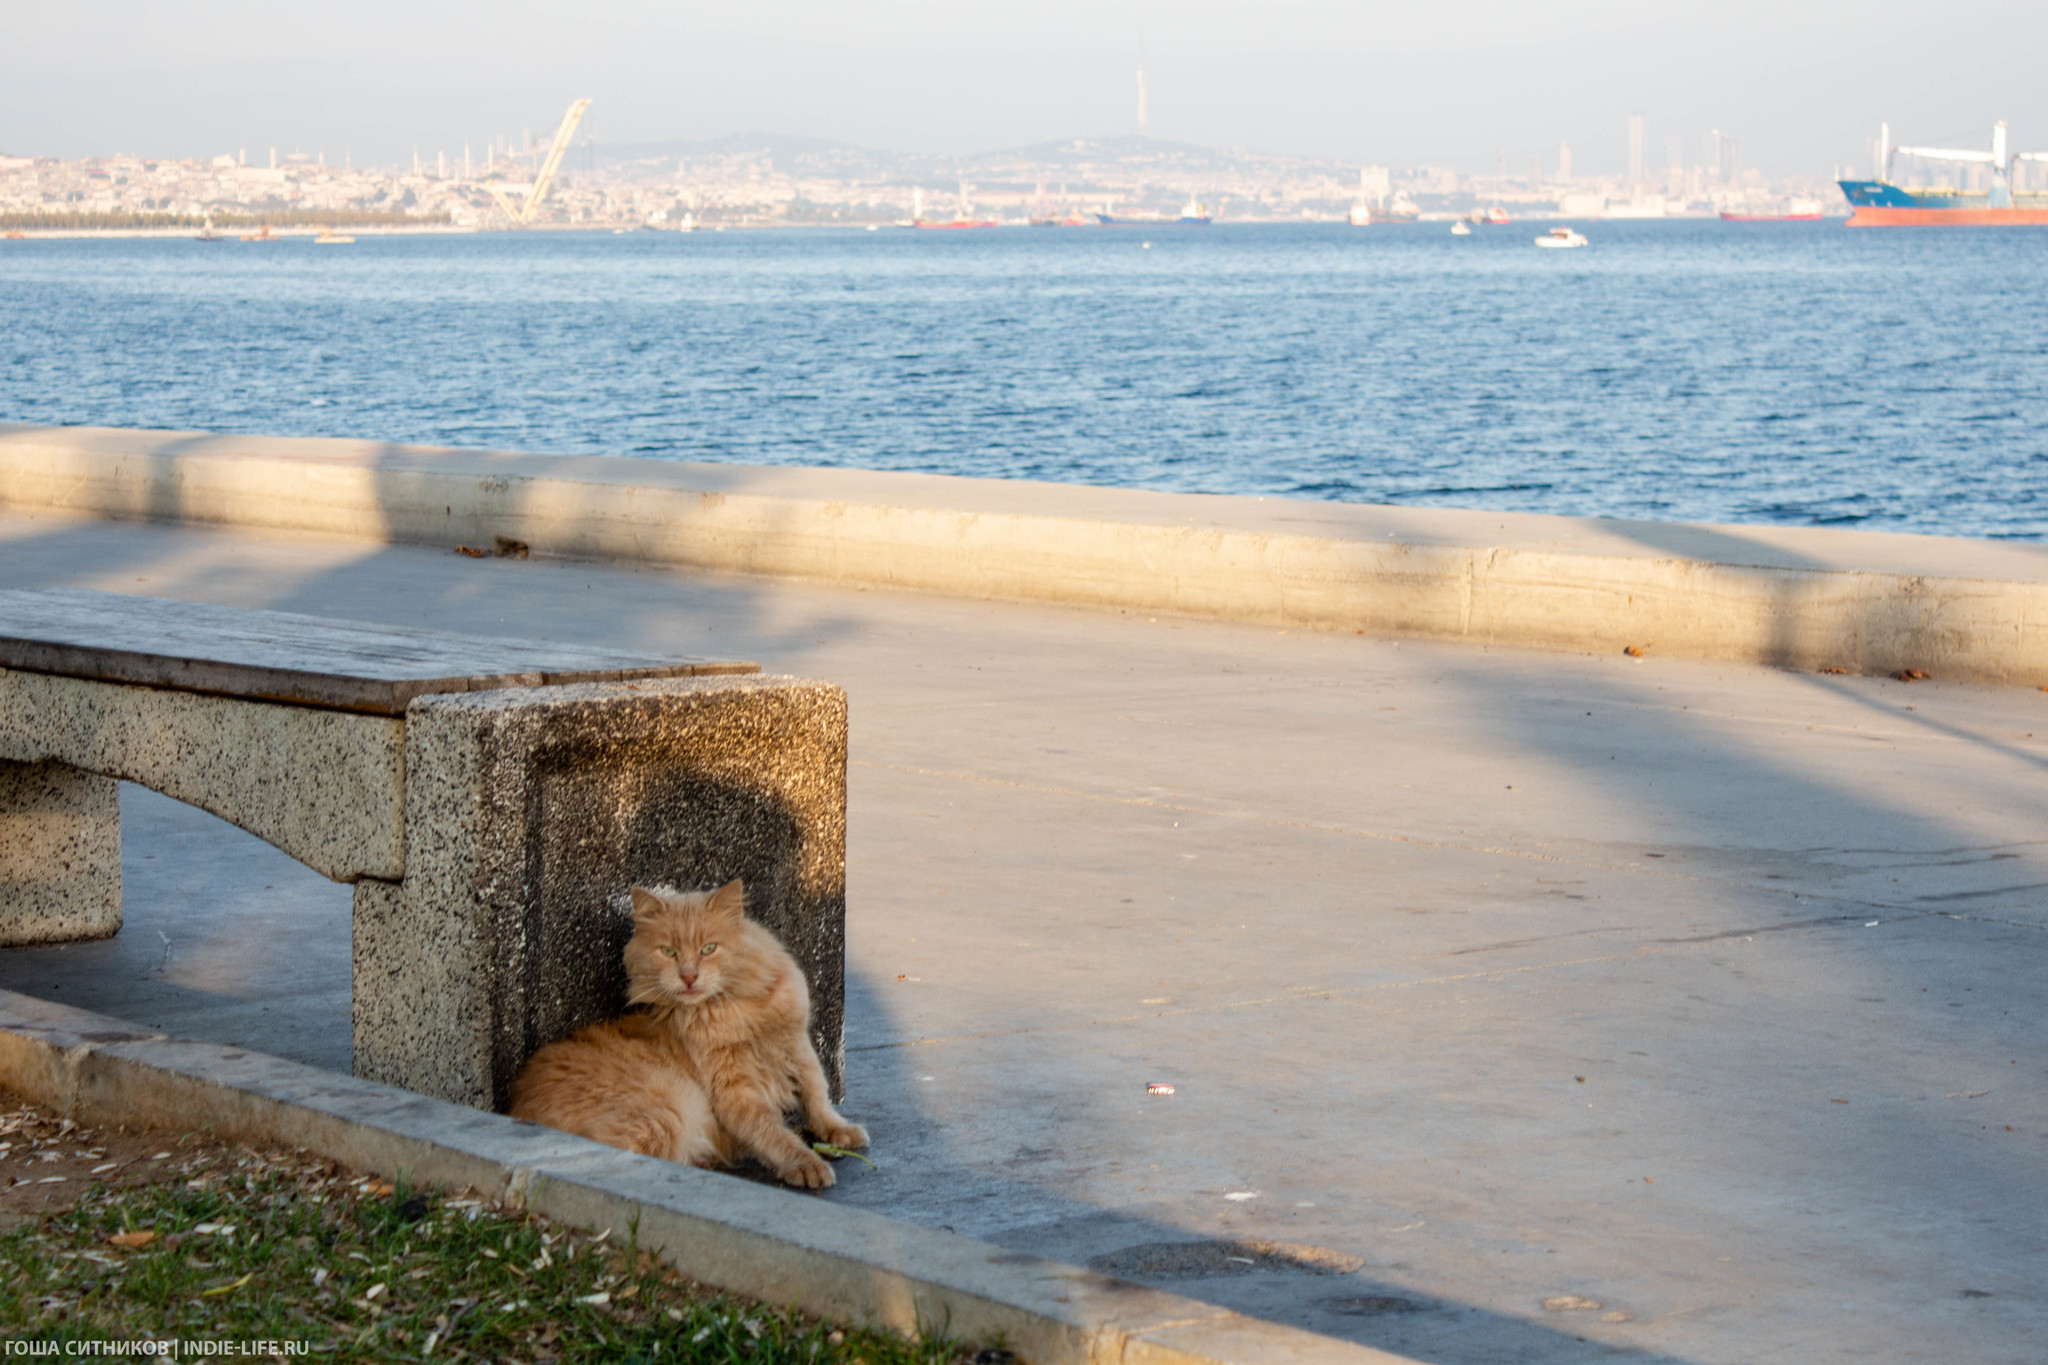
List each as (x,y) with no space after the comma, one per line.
(1880,203)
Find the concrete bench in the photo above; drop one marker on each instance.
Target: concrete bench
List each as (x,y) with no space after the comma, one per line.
(490,800)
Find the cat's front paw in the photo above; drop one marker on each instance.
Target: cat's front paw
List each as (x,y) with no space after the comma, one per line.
(808,1172)
(851,1136)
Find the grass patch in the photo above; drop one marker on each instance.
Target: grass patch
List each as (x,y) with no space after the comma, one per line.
(223,1243)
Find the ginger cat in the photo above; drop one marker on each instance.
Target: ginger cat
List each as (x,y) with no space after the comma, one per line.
(719,1052)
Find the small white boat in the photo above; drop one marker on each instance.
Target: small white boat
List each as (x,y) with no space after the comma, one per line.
(329,237)
(1460,229)
(1561,236)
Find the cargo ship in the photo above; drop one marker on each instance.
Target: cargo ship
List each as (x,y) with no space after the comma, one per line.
(960,219)
(1881,203)
(1798,211)
(1400,209)
(1192,214)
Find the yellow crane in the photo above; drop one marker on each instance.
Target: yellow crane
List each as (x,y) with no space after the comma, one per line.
(538,190)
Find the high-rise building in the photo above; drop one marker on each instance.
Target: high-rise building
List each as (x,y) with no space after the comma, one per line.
(1638,129)
(1564,163)
(1721,160)
(1535,173)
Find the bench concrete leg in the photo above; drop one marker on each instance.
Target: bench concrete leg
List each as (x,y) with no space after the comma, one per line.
(530,812)
(414,998)
(60,854)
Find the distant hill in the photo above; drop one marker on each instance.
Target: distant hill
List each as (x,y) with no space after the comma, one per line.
(798,156)
(1143,161)
(1083,159)
(1137,152)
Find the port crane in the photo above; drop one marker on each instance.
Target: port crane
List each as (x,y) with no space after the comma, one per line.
(1998,158)
(522,213)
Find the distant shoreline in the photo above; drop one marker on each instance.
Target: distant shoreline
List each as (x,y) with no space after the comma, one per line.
(451,230)
(235,234)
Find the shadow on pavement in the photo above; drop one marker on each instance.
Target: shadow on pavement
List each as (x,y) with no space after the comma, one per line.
(1921,1170)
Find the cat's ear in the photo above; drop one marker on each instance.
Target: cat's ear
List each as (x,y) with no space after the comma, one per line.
(646,905)
(729,900)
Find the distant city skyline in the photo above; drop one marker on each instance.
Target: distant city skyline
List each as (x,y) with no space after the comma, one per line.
(1798,88)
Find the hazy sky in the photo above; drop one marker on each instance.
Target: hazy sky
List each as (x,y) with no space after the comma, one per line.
(1800,84)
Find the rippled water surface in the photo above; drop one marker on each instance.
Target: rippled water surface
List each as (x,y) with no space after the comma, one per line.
(1790,373)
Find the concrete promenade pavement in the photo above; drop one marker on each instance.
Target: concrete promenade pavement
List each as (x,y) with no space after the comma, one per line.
(1707,993)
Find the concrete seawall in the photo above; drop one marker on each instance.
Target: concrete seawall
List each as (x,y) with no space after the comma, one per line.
(1860,601)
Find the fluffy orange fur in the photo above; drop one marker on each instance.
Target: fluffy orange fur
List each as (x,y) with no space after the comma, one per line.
(714,1057)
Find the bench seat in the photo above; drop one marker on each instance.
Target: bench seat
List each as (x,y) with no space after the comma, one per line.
(490,800)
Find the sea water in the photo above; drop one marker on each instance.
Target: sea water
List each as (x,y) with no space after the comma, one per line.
(1795,373)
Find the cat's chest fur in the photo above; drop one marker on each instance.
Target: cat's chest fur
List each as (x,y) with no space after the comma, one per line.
(749,1038)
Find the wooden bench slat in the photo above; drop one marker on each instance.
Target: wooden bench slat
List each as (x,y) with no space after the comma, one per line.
(285,657)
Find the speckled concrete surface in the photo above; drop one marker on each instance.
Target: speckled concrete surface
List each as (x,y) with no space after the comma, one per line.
(1372,906)
(531,813)
(60,854)
(328,787)
(223,937)
(492,837)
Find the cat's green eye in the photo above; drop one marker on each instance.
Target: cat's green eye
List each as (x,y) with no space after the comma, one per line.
(707,950)
(668,952)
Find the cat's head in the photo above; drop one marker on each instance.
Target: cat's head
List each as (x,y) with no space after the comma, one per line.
(689,946)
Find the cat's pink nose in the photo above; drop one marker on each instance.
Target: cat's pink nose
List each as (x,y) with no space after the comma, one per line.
(689,980)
